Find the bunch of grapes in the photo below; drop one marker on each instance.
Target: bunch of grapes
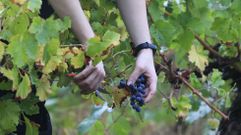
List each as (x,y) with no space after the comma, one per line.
(137,92)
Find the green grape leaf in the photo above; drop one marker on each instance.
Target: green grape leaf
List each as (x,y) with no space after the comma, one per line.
(52,64)
(11,75)
(112,37)
(51,49)
(43,88)
(27,45)
(31,128)
(24,87)
(34,5)
(222,27)
(45,30)
(198,57)
(216,79)
(154,10)
(2,49)
(213,123)
(30,105)
(9,112)
(166,30)
(6,85)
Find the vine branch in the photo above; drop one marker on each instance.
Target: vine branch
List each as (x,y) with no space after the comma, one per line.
(207,47)
(197,93)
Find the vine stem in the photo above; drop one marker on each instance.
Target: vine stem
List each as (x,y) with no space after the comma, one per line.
(197,93)
(72,45)
(207,47)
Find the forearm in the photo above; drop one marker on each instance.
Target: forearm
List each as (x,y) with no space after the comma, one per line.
(135,17)
(80,24)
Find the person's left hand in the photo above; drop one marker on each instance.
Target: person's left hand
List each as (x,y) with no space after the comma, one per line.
(89,79)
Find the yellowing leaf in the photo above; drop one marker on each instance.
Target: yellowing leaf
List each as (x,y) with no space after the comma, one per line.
(78,61)
(197,56)
(52,64)
(11,75)
(24,88)
(119,95)
(2,49)
(43,88)
(111,37)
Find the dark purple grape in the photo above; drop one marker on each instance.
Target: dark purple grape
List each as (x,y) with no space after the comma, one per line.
(142,86)
(138,99)
(142,92)
(122,84)
(132,103)
(138,109)
(133,98)
(137,91)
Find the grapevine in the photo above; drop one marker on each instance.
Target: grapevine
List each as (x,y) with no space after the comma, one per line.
(198,63)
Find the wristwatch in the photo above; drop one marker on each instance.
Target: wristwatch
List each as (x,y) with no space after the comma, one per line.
(146,45)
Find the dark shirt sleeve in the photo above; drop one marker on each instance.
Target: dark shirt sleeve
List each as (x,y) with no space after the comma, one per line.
(46,9)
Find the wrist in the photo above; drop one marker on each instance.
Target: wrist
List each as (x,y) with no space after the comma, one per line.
(144,46)
(146,52)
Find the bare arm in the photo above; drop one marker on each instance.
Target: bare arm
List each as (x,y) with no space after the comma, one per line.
(80,24)
(135,17)
(90,78)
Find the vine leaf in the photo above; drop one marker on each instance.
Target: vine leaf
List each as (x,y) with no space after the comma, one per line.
(9,112)
(2,49)
(34,5)
(45,30)
(198,57)
(27,45)
(31,129)
(52,64)
(24,87)
(78,61)
(119,96)
(43,88)
(111,37)
(96,46)
(11,75)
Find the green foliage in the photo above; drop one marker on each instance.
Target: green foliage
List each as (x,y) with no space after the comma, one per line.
(37,56)
(9,112)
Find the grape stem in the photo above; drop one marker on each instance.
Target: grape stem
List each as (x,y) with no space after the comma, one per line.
(197,93)
(169,100)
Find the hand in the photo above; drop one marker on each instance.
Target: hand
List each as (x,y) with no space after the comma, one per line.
(90,78)
(145,65)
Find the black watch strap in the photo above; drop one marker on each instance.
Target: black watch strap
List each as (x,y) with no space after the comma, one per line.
(145,45)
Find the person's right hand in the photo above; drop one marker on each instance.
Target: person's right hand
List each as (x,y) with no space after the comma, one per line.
(145,66)
(89,79)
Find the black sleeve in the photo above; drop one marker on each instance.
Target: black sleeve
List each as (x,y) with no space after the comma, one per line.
(46,9)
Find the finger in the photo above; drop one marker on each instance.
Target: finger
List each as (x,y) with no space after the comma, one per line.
(97,81)
(91,83)
(152,90)
(88,83)
(85,73)
(133,77)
